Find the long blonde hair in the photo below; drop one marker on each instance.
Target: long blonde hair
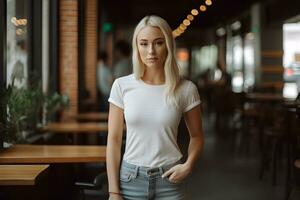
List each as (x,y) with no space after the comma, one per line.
(172,78)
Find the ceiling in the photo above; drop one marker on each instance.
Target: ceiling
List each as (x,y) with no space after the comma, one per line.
(129,12)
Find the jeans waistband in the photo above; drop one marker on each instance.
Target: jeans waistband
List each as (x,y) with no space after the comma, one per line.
(149,170)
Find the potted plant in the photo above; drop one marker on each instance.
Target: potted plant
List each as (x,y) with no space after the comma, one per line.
(22,110)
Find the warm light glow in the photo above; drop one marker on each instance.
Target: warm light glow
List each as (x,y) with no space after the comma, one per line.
(19,31)
(182,55)
(203,8)
(176,31)
(194,12)
(190,17)
(208,2)
(24,22)
(186,22)
(180,31)
(18,22)
(13,20)
(182,26)
(175,34)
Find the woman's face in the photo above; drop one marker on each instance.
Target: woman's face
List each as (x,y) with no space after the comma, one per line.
(152,46)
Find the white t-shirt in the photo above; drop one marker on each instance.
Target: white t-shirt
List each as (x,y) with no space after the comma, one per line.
(151,139)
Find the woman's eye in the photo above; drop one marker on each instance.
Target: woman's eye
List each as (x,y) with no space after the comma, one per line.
(159,42)
(143,44)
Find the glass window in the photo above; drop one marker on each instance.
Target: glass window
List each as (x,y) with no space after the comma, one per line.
(17,42)
(291,57)
(203,59)
(249,65)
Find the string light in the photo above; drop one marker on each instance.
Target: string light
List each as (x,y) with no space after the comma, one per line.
(186,22)
(194,12)
(18,22)
(176,32)
(203,8)
(208,2)
(190,17)
(180,31)
(182,26)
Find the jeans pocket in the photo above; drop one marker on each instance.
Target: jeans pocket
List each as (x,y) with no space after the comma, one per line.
(126,175)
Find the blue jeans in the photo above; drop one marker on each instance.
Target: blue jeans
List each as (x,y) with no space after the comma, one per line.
(143,183)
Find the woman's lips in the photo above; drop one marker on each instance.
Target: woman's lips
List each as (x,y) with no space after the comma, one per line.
(152,59)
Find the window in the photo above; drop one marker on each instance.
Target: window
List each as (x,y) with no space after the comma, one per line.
(17,42)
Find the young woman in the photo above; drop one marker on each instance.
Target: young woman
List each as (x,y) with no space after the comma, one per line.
(152,100)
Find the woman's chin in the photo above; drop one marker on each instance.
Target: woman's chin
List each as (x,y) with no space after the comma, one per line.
(152,65)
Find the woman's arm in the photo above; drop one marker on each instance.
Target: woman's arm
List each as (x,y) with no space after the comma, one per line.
(113,152)
(194,125)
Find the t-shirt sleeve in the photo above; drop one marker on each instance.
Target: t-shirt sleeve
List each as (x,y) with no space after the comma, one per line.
(191,98)
(116,95)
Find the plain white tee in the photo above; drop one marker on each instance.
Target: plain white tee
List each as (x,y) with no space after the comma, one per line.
(151,138)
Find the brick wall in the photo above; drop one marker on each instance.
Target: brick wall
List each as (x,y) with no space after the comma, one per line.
(68,53)
(90,21)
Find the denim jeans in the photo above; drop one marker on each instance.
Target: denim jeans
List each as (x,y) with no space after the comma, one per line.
(143,183)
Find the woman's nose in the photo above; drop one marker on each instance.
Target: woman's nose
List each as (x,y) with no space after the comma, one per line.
(151,49)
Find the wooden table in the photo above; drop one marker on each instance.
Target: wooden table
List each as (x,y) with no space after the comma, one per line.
(76,127)
(37,154)
(92,116)
(20,174)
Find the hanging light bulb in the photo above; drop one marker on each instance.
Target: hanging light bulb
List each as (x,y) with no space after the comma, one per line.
(174,34)
(180,31)
(190,17)
(186,22)
(203,8)
(182,26)
(208,2)
(194,12)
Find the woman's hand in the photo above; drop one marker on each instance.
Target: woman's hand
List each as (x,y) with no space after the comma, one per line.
(177,173)
(115,197)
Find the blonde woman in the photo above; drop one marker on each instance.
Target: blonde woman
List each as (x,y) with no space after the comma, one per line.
(152,100)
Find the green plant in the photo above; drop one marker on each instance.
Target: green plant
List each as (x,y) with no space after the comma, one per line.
(22,110)
(55,102)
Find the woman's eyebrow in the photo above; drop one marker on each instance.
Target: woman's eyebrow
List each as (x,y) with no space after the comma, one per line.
(160,38)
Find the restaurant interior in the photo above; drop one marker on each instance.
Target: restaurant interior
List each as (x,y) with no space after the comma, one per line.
(243,56)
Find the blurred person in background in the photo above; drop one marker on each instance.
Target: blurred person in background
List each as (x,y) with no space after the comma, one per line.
(123,65)
(104,80)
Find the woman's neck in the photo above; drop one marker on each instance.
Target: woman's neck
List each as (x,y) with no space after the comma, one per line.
(154,76)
